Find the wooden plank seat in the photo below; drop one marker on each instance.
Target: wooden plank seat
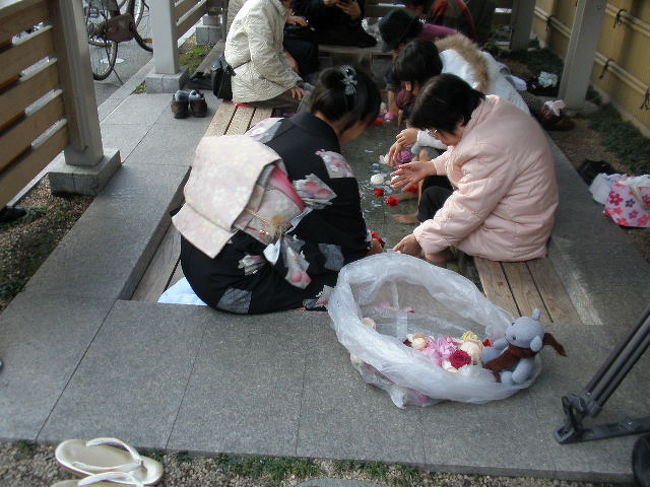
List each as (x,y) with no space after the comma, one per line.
(520,287)
(165,269)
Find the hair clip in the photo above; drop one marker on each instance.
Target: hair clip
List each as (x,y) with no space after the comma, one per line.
(349,82)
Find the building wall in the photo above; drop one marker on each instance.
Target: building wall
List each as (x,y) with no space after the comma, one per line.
(627,45)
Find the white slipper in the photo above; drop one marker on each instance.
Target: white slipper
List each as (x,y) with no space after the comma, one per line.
(102,455)
(98,480)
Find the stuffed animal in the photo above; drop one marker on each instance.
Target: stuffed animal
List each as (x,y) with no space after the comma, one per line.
(511,358)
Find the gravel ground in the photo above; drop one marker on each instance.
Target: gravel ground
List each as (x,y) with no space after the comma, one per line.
(25,244)
(24,464)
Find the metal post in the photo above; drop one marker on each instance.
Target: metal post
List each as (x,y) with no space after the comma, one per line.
(580,55)
(522,23)
(86,165)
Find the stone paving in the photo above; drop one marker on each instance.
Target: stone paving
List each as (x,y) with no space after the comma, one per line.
(81,360)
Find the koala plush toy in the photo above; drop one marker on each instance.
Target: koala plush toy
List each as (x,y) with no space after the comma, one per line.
(511,358)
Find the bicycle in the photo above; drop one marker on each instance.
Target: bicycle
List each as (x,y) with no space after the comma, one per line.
(104,20)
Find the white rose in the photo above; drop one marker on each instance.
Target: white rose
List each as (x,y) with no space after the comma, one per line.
(377,179)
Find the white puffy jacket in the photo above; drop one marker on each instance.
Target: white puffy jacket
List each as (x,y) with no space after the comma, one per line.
(254,49)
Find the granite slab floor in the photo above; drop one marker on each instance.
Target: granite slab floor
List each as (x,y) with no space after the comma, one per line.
(82,360)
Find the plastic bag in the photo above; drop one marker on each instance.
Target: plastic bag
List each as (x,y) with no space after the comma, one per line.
(403,295)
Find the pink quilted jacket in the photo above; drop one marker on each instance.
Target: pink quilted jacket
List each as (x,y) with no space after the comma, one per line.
(505,188)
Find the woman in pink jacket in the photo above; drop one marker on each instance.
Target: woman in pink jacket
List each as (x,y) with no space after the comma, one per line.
(501,168)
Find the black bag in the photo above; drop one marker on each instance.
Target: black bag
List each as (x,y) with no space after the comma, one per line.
(222,74)
(589,169)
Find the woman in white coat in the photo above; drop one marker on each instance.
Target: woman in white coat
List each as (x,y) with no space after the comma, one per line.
(263,76)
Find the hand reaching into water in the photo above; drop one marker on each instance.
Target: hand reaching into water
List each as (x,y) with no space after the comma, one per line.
(393,154)
(411,173)
(407,136)
(409,246)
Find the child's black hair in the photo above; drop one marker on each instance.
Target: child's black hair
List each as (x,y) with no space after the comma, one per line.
(418,61)
(345,94)
(443,102)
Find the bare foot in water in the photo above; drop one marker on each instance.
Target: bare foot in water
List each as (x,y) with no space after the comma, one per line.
(407,218)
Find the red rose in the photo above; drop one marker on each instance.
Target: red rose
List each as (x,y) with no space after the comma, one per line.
(459,359)
(375,236)
(413,188)
(487,342)
(378,121)
(378,191)
(391,201)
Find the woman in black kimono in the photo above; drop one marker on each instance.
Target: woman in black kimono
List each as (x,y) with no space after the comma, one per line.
(241,279)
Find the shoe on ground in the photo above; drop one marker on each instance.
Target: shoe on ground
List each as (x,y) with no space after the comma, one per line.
(10,214)
(198,106)
(112,480)
(180,104)
(103,455)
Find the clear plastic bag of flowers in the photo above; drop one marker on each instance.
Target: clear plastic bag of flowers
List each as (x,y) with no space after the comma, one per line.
(410,327)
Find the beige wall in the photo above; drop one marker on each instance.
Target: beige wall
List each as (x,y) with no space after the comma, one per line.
(628,45)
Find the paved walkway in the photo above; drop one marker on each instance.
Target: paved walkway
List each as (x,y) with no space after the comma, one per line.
(81,360)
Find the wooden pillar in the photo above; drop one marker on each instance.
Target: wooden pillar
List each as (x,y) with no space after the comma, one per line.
(580,55)
(86,166)
(73,57)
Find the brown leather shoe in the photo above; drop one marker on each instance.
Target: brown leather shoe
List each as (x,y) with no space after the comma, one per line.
(180,102)
(198,106)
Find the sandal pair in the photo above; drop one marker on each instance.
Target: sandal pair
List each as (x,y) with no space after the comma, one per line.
(105,462)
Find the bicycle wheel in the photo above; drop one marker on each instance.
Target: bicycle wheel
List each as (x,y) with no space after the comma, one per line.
(141,15)
(102,59)
(103,52)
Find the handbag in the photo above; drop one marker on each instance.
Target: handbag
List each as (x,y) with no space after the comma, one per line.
(628,203)
(222,74)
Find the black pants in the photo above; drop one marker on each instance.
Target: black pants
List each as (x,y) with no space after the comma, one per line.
(305,52)
(434,194)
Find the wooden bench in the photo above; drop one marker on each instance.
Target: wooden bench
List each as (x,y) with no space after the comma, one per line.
(165,269)
(520,287)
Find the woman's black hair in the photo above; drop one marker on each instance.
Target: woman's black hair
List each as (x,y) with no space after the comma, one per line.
(345,95)
(443,102)
(418,61)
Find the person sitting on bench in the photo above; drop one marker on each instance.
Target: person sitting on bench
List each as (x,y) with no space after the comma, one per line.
(397,28)
(460,56)
(420,61)
(501,168)
(242,278)
(263,76)
(336,22)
